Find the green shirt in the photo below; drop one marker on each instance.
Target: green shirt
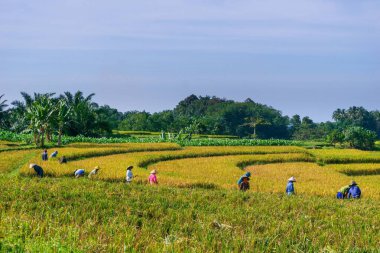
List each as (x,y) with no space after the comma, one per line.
(344,189)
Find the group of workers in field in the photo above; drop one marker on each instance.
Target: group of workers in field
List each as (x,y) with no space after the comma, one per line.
(152,179)
(349,191)
(346,192)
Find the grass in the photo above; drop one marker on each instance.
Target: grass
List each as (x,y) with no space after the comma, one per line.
(196,206)
(65,215)
(12,160)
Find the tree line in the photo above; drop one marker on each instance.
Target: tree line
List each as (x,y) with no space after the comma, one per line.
(77,114)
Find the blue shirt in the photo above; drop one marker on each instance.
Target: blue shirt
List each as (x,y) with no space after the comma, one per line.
(354,192)
(241,178)
(79,172)
(44,156)
(290,188)
(54,154)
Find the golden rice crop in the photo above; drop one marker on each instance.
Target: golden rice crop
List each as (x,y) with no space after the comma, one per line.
(222,171)
(345,156)
(10,160)
(116,164)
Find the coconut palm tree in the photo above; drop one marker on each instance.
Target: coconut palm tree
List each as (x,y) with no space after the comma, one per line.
(40,114)
(3,105)
(82,112)
(63,117)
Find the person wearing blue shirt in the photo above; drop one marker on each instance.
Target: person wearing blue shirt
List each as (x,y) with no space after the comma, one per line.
(45,155)
(54,154)
(354,191)
(290,186)
(247,175)
(79,173)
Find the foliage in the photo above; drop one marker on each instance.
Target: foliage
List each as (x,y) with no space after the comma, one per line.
(360,138)
(69,215)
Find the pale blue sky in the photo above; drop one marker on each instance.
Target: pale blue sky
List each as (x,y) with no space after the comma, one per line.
(305,57)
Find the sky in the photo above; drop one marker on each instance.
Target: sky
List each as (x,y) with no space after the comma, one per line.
(301,57)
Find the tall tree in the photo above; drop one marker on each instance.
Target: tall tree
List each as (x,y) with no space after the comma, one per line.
(40,114)
(3,105)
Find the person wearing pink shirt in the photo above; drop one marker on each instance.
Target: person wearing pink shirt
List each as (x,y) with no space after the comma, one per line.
(152,177)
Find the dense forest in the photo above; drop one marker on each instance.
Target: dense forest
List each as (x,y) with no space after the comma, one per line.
(77,114)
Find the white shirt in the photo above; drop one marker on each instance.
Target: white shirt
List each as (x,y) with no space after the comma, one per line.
(129,175)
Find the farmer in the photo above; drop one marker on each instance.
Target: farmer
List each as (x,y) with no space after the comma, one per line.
(79,173)
(129,174)
(62,160)
(342,193)
(290,186)
(354,191)
(94,172)
(37,169)
(54,154)
(240,181)
(152,177)
(244,186)
(45,155)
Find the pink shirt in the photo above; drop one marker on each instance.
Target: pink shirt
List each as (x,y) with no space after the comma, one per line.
(152,179)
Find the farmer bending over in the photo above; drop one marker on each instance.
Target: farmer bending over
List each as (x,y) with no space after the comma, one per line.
(246,175)
(290,186)
(354,191)
(94,172)
(79,173)
(62,160)
(54,154)
(342,193)
(244,186)
(37,169)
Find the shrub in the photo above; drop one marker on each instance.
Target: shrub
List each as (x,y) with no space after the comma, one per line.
(360,138)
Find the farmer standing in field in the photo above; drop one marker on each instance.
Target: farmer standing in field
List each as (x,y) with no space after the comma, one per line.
(129,174)
(342,193)
(37,169)
(247,176)
(79,173)
(152,177)
(45,155)
(354,191)
(290,186)
(94,172)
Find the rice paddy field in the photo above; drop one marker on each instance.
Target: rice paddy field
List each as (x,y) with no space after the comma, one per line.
(196,206)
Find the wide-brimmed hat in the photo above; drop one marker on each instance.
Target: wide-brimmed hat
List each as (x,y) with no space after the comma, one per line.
(97,168)
(353,183)
(130,167)
(31,165)
(292,179)
(153,172)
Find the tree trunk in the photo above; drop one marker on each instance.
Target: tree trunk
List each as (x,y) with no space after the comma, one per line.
(42,138)
(60,136)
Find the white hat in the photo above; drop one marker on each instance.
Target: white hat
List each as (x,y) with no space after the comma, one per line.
(31,165)
(153,172)
(292,179)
